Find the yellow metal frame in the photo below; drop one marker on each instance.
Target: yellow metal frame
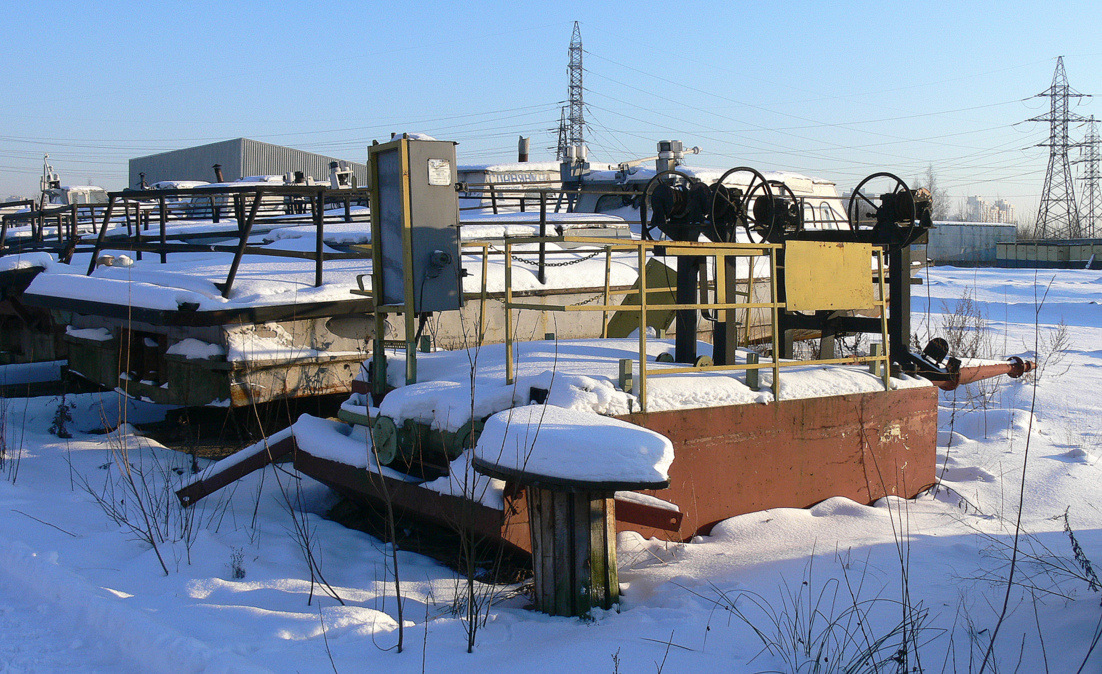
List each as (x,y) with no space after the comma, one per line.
(402,147)
(719,252)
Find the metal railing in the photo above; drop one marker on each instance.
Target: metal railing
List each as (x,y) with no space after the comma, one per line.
(67,223)
(546,200)
(301,204)
(719,252)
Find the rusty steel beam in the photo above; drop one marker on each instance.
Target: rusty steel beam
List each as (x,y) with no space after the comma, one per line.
(191,493)
(510,525)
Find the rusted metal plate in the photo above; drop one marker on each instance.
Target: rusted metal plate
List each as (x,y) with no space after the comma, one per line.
(650,517)
(739,459)
(728,461)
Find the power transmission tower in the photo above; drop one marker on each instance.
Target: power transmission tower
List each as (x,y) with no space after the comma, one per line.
(560,151)
(576,136)
(1092,199)
(1058,214)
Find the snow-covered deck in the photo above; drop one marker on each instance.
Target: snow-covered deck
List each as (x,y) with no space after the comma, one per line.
(191,279)
(583,375)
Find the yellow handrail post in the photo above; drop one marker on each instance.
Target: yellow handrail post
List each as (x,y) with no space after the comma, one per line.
(508,312)
(776,325)
(642,326)
(482,300)
(886,374)
(608,275)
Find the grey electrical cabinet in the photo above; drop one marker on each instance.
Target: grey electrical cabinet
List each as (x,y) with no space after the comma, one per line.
(415,225)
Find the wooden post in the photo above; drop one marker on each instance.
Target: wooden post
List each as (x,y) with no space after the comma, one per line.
(573,550)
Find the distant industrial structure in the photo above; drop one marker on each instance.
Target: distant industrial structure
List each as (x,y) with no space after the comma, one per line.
(238,158)
(1058,213)
(572,126)
(968,244)
(1091,211)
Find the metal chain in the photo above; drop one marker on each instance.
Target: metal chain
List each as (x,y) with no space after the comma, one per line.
(565,263)
(591,300)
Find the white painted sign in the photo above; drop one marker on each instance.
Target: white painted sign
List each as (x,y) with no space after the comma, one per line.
(440,172)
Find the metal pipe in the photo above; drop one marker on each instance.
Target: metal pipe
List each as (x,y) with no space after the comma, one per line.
(542,275)
(102,233)
(163,217)
(319,234)
(1014,368)
(246,229)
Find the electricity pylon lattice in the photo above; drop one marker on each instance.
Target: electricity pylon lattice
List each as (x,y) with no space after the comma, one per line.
(576,120)
(1091,210)
(1058,214)
(560,148)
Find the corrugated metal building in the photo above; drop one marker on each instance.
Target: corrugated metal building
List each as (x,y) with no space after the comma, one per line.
(239,157)
(967,243)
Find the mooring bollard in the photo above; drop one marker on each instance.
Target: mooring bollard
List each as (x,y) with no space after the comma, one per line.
(570,498)
(573,550)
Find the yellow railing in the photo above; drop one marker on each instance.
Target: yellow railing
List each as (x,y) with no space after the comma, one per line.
(719,252)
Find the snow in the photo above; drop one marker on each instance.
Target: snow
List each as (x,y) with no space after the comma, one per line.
(25,261)
(549,441)
(93,334)
(263,280)
(443,397)
(78,591)
(195,348)
(31,373)
(511,167)
(270,342)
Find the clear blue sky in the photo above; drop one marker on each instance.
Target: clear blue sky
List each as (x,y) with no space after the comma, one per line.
(837,90)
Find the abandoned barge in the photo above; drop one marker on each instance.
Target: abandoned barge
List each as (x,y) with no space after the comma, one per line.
(550,446)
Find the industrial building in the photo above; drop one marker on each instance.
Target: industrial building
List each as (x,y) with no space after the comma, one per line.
(969,244)
(238,158)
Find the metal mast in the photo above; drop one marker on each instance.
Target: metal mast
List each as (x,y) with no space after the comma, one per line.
(560,150)
(1058,215)
(576,135)
(1092,199)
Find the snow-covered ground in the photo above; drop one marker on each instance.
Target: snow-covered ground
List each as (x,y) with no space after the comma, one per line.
(80,590)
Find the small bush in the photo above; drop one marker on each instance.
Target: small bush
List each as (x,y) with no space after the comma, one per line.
(237,563)
(62,417)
